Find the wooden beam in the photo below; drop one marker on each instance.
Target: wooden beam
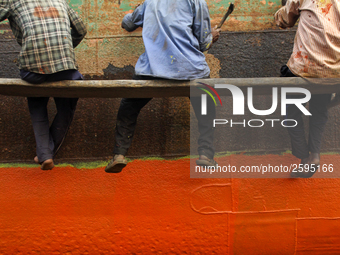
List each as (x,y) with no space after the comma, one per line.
(158,88)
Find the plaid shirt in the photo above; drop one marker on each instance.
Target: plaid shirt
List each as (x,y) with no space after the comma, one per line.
(42,28)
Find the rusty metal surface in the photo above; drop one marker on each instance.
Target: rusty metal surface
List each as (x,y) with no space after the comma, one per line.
(253,54)
(108,45)
(163,126)
(111,45)
(162,130)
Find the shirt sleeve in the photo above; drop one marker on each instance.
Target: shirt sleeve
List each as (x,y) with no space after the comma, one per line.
(134,20)
(16,30)
(201,25)
(4,10)
(79,30)
(287,15)
(5,14)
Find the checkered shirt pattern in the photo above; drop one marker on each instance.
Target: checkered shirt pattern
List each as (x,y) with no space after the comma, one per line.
(47,31)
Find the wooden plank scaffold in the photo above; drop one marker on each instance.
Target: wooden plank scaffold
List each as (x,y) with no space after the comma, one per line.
(159,88)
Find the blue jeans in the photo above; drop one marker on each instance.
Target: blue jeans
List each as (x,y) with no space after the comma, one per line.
(49,138)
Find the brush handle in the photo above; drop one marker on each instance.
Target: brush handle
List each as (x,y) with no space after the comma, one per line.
(230,10)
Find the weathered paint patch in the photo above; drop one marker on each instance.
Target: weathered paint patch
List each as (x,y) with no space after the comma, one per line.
(214,65)
(103,17)
(107,43)
(116,73)
(96,57)
(49,13)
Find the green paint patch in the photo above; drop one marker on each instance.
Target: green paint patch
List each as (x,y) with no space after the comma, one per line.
(21,165)
(330,153)
(246,152)
(251,153)
(90,165)
(75,3)
(151,158)
(242,7)
(78,165)
(102,164)
(125,6)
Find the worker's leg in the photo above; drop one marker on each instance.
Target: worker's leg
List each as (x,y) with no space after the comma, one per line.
(125,127)
(318,109)
(65,109)
(297,133)
(38,110)
(126,123)
(205,126)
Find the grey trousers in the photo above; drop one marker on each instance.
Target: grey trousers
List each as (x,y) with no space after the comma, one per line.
(317,122)
(50,138)
(127,120)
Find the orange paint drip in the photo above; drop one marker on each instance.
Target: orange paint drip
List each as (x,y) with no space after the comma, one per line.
(326,9)
(298,55)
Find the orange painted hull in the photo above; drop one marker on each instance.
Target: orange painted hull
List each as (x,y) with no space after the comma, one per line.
(154,207)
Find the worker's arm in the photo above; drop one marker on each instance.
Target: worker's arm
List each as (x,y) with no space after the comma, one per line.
(4,10)
(5,14)
(79,30)
(287,15)
(201,26)
(134,20)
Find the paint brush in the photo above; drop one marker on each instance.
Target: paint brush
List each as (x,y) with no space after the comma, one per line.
(230,10)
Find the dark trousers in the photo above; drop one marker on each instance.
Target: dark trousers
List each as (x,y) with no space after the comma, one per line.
(49,138)
(318,109)
(128,114)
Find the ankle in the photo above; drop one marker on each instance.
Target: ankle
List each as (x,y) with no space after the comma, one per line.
(203,157)
(118,156)
(314,158)
(48,164)
(304,161)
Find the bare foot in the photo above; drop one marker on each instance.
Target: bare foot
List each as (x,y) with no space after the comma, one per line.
(309,166)
(36,160)
(47,164)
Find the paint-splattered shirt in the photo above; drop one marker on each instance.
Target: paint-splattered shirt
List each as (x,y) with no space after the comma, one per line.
(316,50)
(175,34)
(43,29)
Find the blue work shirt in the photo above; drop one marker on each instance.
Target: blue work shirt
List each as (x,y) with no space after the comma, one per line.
(175,34)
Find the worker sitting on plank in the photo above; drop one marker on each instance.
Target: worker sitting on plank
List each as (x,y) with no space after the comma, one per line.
(175,35)
(316,54)
(43,30)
